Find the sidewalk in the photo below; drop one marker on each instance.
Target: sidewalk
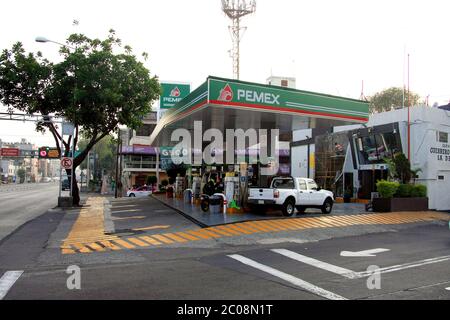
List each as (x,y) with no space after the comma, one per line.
(206,219)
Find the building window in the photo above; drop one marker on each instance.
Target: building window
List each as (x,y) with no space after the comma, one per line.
(442,137)
(145,130)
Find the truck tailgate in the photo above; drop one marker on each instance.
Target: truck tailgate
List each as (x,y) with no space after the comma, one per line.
(261,193)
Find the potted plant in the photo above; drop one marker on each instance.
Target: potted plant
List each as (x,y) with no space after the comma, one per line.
(170,189)
(348,194)
(400,197)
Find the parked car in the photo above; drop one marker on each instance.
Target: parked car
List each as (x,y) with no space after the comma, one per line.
(289,193)
(144,191)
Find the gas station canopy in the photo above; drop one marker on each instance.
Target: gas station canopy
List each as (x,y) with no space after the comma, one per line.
(234,104)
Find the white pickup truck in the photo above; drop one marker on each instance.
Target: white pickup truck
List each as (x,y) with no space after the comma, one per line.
(290,193)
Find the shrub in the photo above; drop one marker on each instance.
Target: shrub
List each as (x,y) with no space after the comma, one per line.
(404,190)
(387,189)
(419,190)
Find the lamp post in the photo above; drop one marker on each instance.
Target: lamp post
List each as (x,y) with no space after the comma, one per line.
(45,40)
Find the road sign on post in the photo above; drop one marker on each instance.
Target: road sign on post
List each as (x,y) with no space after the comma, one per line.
(66,163)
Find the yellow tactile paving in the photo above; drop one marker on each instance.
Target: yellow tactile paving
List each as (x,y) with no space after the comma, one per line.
(93,239)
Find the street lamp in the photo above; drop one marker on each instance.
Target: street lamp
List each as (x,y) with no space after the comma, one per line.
(45,40)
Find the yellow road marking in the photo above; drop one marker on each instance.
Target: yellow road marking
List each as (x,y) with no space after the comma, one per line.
(126,218)
(238,228)
(222,232)
(150,240)
(110,245)
(95,246)
(246,227)
(138,242)
(187,236)
(198,234)
(175,237)
(124,244)
(274,225)
(162,238)
(263,224)
(67,251)
(150,228)
(208,232)
(81,248)
(259,227)
(229,230)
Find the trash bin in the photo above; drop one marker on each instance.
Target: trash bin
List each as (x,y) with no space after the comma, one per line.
(215,202)
(187,196)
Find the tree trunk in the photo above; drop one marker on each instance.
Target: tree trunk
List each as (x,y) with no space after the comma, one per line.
(75,190)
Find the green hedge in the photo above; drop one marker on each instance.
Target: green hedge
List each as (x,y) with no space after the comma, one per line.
(387,189)
(419,190)
(404,191)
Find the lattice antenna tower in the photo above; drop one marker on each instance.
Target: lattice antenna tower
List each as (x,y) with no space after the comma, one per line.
(235,10)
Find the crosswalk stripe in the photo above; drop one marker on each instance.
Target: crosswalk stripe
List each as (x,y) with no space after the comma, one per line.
(222,232)
(288,278)
(94,246)
(175,237)
(124,244)
(162,238)
(81,248)
(110,245)
(138,242)
(229,230)
(150,240)
(198,234)
(187,236)
(7,281)
(316,263)
(245,229)
(260,227)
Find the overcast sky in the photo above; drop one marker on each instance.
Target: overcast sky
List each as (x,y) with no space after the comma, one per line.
(329,46)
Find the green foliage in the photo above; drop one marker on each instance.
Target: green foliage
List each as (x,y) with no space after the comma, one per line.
(419,190)
(404,190)
(105,150)
(391,98)
(387,189)
(151,180)
(93,87)
(165,183)
(400,168)
(21,175)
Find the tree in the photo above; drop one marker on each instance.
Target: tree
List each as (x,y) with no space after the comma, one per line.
(21,175)
(94,88)
(392,98)
(105,149)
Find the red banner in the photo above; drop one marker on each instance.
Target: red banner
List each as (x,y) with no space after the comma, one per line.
(9,152)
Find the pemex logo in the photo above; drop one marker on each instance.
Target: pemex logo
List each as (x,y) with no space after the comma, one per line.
(175,92)
(226,94)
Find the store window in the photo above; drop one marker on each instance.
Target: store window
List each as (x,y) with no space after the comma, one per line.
(374,148)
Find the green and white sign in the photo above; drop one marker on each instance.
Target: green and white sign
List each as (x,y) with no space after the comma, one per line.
(172,93)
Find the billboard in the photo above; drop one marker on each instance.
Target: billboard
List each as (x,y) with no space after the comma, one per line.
(48,153)
(172,93)
(9,152)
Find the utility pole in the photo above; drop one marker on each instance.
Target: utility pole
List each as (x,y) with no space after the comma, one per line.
(235,10)
(117,164)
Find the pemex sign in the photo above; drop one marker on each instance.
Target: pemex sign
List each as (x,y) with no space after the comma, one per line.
(259,97)
(172,93)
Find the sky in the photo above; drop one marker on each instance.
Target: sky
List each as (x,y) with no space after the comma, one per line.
(329,46)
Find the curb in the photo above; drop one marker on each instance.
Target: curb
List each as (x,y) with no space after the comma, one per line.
(108,224)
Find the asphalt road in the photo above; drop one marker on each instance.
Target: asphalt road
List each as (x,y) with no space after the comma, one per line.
(414,264)
(22,203)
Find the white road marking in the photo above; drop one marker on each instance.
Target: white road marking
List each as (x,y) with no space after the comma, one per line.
(447,288)
(317,263)
(406,266)
(7,281)
(289,278)
(364,253)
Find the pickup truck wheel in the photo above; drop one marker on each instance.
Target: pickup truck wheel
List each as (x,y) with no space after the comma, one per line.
(288,208)
(327,206)
(300,209)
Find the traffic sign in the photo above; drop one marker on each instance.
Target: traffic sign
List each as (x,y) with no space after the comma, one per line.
(66,163)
